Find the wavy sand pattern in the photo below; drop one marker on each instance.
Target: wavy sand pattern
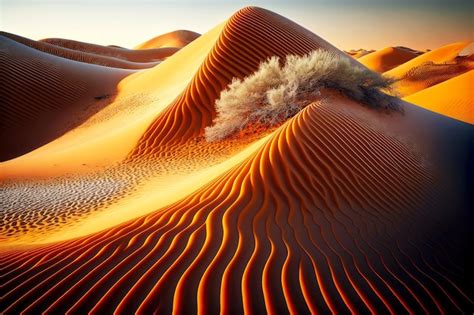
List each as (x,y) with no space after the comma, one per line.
(247,39)
(342,208)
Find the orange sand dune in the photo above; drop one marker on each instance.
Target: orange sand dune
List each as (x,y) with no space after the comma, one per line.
(356,54)
(453,98)
(176,39)
(337,212)
(109,136)
(248,38)
(440,55)
(75,55)
(430,74)
(430,68)
(43,96)
(145,55)
(388,58)
(87,156)
(67,154)
(343,208)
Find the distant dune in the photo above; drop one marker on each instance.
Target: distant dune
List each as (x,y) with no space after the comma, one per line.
(357,53)
(387,58)
(177,39)
(76,55)
(246,40)
(440,55)
(143,56)
(113,201)
(44,96)
(430,68)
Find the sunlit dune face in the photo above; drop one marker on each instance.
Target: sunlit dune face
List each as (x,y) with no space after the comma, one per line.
(441,99)
(253,169)
(387,58)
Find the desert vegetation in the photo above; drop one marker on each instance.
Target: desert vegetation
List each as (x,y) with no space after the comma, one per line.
(279,89)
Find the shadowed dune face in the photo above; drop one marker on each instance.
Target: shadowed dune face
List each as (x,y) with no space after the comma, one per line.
(319,219)
(143,56)
(337,208)
(358,53)
(76,55)
(44,96)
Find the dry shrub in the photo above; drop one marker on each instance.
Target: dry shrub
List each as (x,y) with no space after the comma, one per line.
(277,91)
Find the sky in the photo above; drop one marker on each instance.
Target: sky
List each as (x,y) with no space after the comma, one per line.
(369,24)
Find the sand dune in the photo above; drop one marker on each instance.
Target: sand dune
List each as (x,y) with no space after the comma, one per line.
(442,99)
(358,53)
(342,208)
(177,39)
(176,132)
(86,57)
(44,96)
(340,246)
(247,39)
(430,68)
(388,58)
(430,74)
(139,99)
(439,55)
(144,55)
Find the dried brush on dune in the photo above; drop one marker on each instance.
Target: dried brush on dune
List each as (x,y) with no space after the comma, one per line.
(277,91)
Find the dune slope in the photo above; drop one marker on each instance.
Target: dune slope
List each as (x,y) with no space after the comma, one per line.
(81,56)
(177,39)
(249,37)
(342,208)
(388,58)
(430,68)
(453,98)
(43,96)
(320,219)
(145,55)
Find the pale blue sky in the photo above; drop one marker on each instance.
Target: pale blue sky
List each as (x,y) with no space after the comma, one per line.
(346,24)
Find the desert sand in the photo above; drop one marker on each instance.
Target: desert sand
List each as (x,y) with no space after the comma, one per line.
(112,199)
(177,39)
(430,68)
(388,58)
(440,98)
(358,53)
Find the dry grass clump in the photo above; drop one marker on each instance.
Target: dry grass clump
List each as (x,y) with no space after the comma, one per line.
(277,91)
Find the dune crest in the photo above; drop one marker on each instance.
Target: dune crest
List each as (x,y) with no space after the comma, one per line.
(246,40)
(143,56)
(44,96)
(430,68)
(176,39)
(86,57)
(386,59)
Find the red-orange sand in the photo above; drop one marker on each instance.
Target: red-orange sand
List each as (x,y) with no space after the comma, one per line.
(120,205)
